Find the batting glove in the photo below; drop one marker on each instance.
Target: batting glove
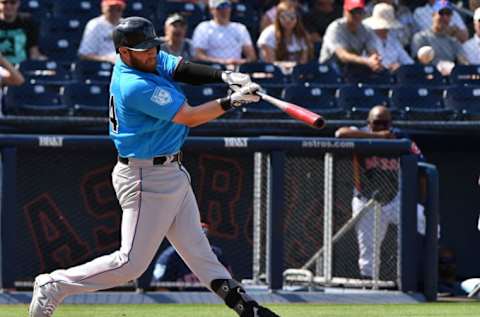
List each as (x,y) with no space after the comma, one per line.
(235,80)
(242,96)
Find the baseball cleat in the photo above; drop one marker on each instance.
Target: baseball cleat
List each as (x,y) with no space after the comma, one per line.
(46,297)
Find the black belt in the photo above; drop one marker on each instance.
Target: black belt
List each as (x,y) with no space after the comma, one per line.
(159,160)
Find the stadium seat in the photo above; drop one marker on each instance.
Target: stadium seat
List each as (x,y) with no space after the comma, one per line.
(58,27)
(244,13)
(465,75)
(86,100)
(62,48)
(357,101)
(464,101)
(381,79)
(140,8)
(35,100)
(44,72)
(92,72)
(263,73)
(191,11)
(197,95)
(316,73)
(419,103)
(317,99)
(80,9)
(417,74)
(37,8)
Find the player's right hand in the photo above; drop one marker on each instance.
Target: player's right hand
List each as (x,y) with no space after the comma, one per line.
(245,94)
(236,80)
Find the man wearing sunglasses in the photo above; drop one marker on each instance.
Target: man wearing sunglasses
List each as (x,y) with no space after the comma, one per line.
(376,177)
(349,45)
(18,34)
(446,47)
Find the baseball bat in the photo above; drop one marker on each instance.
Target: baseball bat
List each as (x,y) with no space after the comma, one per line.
(299,113)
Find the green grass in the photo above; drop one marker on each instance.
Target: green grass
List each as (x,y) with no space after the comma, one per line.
(285,310)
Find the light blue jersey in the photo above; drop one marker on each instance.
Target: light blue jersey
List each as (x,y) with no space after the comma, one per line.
(142,106)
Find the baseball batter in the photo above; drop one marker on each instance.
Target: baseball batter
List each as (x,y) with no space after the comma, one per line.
(149,121)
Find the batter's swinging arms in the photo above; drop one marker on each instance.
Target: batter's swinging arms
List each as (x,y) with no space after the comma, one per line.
(149,121)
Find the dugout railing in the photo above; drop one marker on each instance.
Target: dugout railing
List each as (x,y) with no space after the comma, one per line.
(266,198)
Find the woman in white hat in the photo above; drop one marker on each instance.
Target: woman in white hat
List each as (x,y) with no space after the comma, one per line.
(388,46)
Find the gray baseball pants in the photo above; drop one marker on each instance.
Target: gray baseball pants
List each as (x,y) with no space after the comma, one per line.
(157,201)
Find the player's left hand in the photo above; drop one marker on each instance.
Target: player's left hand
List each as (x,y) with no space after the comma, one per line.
(245,94)
(236,80)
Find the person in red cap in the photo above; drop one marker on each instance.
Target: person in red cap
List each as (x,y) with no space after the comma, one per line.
(97,42)
(349,45)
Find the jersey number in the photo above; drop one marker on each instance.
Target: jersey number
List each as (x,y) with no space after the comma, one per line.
(113,115)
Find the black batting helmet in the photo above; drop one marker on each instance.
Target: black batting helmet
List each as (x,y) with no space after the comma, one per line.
(136,34)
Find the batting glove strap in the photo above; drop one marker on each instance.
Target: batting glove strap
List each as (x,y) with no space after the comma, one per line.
(225,103)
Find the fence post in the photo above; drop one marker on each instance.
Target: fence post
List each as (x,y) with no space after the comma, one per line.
(408,223)
(275,222)
(430,278)
(8,216)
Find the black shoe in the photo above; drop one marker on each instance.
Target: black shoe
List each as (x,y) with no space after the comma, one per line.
(265,312)
(252,309)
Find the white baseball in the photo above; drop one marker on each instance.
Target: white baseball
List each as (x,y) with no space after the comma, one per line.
(425,54)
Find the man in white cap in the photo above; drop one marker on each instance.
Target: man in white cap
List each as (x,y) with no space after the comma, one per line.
(472,46)
(221,41)
(388,46)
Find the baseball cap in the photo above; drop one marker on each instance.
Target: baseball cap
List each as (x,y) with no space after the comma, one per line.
(440,5)
(218,3)
(383,17)
(175,17)
(122,3)
(353,4)
(476,15)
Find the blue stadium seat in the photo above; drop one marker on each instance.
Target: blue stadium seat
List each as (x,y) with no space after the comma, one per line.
(92,72)
(317,99)
(244,13)
(197,95)
(80,9)
(86,100)
(191,11)
(62,48)
(464,101)
(316,73)
(465,75)
(366,77)
(34,100)
(139,8)
(263,73)
(59,27)
(419,103)
(37,8)
(44,72)
(358,100)
(417,74)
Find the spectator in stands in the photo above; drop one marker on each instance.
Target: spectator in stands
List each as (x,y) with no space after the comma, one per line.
(18,34)
(221,41)
(447,48)
(376,180)
(387,45)
(286,39)
(403,15)
(456,28)
(97,42)
(320,15)
(347,41)
(269,16)
(170,267)
(472,46)
(174,41)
